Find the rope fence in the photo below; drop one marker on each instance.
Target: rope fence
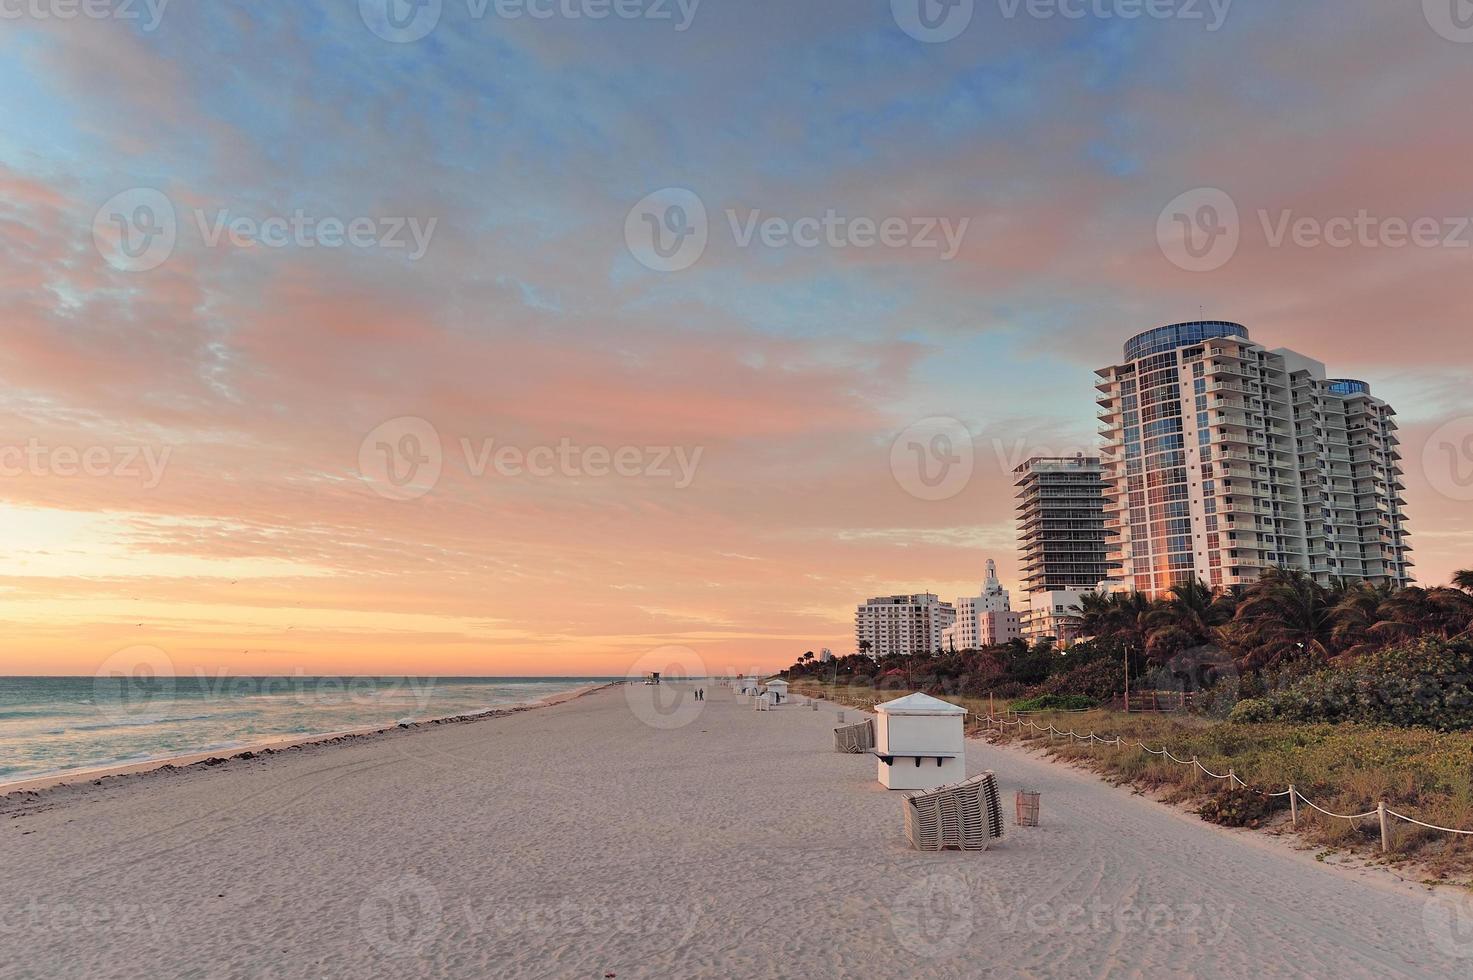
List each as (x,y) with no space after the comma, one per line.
(1382,812)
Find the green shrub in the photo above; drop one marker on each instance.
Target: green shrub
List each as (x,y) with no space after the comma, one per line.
(1237,808)
(1055,702)
(1251,710)
(1097,679)
(1427,683)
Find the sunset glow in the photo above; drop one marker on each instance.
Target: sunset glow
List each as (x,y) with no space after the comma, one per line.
(628,458)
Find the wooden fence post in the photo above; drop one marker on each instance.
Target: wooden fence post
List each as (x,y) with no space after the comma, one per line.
(1232,778)
(1196,776)
(1293,805)
(1385,827)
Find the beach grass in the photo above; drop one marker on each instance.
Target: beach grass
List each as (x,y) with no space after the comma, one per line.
(1344,768)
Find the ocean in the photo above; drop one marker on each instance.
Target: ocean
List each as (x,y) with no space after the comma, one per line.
(51,725)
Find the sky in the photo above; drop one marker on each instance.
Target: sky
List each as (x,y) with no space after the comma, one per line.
(530,337)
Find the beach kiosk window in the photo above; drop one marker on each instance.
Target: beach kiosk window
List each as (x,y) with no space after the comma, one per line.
(920,743)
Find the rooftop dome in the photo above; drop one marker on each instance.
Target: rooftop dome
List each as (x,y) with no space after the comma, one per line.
(1175,335)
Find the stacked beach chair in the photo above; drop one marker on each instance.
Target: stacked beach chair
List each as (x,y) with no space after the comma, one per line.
(855,739)
(965,816)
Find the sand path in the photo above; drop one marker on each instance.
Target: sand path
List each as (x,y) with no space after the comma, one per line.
(583,840)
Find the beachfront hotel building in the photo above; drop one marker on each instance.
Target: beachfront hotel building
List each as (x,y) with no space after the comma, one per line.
(1064,548)
(1223,459)
(985,620)
(902,625)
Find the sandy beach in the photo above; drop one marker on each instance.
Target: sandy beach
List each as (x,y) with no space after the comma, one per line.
(608,836)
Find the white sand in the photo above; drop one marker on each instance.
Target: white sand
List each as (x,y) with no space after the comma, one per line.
(579,840)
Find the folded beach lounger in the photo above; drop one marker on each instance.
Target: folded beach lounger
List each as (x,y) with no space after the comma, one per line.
(855,739)
(965,816)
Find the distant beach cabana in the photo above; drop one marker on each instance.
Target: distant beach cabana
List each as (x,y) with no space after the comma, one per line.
(778,689)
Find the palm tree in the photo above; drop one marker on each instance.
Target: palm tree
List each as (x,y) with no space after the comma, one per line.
(1356,616)
(1414,611)
(1464,580)
(1188,618)
(865,646)
(1284,616)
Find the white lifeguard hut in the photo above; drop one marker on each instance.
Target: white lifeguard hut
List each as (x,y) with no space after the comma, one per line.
(920,742)
(748,685)
(778,689)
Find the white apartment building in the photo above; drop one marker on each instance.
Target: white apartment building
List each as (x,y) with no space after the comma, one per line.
(902,624)
(984,620)
(1223,459)
(1051,615)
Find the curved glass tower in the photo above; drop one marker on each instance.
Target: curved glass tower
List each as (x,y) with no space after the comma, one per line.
(1223,459)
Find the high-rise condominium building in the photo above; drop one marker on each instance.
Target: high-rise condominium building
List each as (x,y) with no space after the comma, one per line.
(984,620)
(1224,459)
(1061,523)
(902,624)
(1062,541)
